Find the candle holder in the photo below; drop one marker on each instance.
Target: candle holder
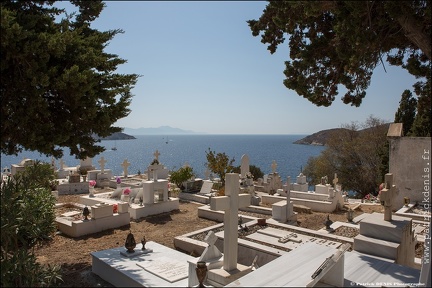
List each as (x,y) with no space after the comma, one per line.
(130,243)
(86,212)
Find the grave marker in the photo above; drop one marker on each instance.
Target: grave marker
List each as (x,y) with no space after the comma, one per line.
(244,167)
(230,203)
(386,196)
(156,155)
(102,163)
(125,166)
(273,166)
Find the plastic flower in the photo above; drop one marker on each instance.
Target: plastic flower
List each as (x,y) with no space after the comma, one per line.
(115,208)
(118,180)
(126,191)
(92,183)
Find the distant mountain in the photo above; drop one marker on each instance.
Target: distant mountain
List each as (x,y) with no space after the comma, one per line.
(320,138)
(118,136)
(162,130)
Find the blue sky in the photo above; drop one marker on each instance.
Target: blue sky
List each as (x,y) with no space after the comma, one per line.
(202,70)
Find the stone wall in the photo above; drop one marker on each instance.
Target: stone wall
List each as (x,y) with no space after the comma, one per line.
(410,161)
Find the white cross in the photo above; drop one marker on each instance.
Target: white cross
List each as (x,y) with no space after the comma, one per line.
(335,181)
(125,166)
(230,203)
(288,196)
(211,252)
(156,155)
(61,164)
(273,166)
(386,195)
(186,164)
(207,174)
(102,162)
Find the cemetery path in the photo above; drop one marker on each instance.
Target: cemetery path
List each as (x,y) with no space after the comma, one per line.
(73,254)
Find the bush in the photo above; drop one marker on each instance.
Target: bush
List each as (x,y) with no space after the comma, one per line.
(181,175)
(27,218)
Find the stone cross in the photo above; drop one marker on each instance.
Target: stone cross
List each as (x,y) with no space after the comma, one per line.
(125,166)
(335,181)
(244,167)
(386,196)
(102,163)
(288,199)
(61,164)
(207,174)
(211,252)
(156,155)
(273,166)
(230,203)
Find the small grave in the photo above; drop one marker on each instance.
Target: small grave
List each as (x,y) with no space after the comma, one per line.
(101,217)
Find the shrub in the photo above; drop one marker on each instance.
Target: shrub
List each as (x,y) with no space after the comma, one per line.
(181,175)
(27,218)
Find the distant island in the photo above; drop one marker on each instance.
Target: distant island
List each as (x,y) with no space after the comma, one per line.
(162,130)
(320,138)
(118,136)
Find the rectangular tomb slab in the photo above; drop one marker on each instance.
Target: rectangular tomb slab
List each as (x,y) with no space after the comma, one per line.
(123,271)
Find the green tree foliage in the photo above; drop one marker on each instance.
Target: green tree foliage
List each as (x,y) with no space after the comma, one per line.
(355,155)
(27,218)
(335,43)
(219,164)
(58,87)
(406,112)
(181,175)
(422,122)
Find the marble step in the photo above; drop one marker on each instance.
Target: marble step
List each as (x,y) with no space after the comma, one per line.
(376,247)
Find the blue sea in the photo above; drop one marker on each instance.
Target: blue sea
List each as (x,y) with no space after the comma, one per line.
(176,150)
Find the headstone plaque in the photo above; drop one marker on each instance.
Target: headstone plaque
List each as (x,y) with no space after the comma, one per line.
(166,268)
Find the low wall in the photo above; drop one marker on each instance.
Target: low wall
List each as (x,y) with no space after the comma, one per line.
(318,206)
(84,227)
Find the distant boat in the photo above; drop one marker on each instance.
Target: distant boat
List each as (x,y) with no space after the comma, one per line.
(115,146)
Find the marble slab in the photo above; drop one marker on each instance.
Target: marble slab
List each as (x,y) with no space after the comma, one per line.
(122,271)
(166,268)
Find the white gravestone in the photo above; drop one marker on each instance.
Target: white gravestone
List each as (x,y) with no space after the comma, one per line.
(125,166)
(62,164)
(335,181)
(244,167)
(230,203)
(386,196)
(273,166)
(156,155)
(102,163)
(289,206)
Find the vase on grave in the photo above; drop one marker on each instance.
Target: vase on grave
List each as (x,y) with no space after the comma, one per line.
(143,242)
(406,201)
(125,198)
(91,191)
(350,215)
(201,272)
(130,243)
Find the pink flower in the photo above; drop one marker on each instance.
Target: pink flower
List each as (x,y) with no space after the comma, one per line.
(118,180)
(126,191)
(92,183)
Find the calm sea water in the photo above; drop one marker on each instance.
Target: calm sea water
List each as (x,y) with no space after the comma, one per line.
(191,149)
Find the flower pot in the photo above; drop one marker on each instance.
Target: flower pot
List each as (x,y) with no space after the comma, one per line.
(125,198)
